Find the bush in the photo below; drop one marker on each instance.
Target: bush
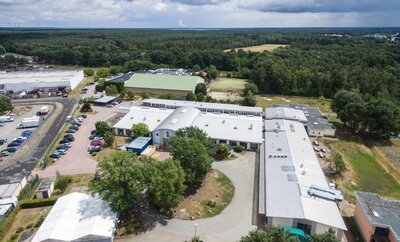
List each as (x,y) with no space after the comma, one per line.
(211,204)
(238,148)
(109,138)
(19,230)
(29,226)
(39,221)
(62,182)
(221,151)
(88,71)
(14,236)
(145,95)
(86,108)
(37,203)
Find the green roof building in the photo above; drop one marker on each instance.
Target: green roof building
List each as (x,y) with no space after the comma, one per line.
(158,84)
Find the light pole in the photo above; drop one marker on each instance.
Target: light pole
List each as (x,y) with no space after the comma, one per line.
(195,231)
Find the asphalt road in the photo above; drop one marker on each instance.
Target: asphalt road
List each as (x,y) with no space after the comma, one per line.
(28,162)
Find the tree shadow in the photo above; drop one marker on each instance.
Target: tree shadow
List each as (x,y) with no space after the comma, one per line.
(148,215)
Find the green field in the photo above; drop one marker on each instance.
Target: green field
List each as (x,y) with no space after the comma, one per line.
(266,101)
(225,84)
(365,173)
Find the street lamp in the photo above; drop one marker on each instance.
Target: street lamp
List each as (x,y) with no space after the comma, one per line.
(195,231)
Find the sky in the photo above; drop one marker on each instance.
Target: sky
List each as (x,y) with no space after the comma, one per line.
(199,13)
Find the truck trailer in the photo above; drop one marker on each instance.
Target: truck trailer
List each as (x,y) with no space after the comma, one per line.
(29,122)
(44,110)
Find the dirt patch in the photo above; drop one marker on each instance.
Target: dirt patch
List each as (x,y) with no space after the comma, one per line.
(258,48)
(226,96)
(214,194)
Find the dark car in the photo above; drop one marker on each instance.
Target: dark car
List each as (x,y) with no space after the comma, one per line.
(26,133)
(55,155)
(92,149)
(70,131)
(62,147)
(82,115)
(70,138)
(94,135)
(64,141)
(13,144)
(11,149)
(76,123)
(96,143)
(74,127)
(19,140)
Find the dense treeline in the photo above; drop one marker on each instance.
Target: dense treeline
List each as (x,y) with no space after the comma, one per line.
(313,64)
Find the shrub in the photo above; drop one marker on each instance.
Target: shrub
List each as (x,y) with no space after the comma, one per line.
(88,71)
(62,182)
(29,226)
(211,204)
(39,221)
(145,95)
(14,236)
(94,153)
(238,148)
(221,151)
(86,107)
(37,203)
(19,230)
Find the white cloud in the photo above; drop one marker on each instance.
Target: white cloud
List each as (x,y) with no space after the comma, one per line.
(181,24)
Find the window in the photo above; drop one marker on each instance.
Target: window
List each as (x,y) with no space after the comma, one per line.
(305,227)
(157,134)
(128,132)
(120,132)
(167,134)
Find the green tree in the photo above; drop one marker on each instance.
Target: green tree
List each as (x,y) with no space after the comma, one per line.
(198,134)
(111,90)
(221,151)
(88,71)
(193,157)
(116,69)
(165,183)
(382,118)
(343,105)
(337,164)
(250,87)
(168,96)
(145,95)
(249,99)
(109,138)
(212,72)
(196,68)
(191,96)
(325,237)
(122,94)
(62,182)
(120,180)
(131,95)
(5,104)
(200,97)
(103,72)
(269,234)
(140,129)
(2,50)
(86,107)
(201,88)
(102,127)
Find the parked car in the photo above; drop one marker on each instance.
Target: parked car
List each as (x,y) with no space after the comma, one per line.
(321,155)
(26,133)
(82,115)
(19,141)
(13,144)
(96,143)
(11,149)
(4,153)
(92,149)
(55,154)
(97,138)
(76,123)
(64,141)
(69,137)
(70,131)
(79,119)
(74,127)
(62,147)
(62,151)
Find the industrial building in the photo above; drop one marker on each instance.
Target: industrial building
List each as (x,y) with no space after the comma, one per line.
(316,123)
(293,191)
(162,122)
(45,80)
(158,84)
(377,219)
(78,217)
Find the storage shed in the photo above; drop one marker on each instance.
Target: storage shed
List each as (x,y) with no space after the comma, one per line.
(45,190)
(138,145)
(103,101)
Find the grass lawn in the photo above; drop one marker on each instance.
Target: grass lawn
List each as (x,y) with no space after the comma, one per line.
(266,101)
(210,199)
(258,48)
(366,172)
(224,84)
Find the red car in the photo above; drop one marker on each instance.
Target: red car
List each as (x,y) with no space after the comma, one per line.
(1,159)
(96,143)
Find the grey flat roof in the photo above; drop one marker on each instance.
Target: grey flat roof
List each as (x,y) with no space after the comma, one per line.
(105,99)
(122,78)
(45,186)
(380,212)
(138,143)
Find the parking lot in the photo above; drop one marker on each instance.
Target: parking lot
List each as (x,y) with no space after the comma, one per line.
(10,130)
(78,160)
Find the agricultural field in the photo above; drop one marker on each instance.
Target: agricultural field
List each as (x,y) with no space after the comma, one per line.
(365,162)
(259,48)
(225,84)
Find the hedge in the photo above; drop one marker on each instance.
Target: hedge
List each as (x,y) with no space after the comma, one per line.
(37,203)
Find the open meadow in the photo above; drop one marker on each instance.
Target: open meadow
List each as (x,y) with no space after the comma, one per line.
(225,84)
(259,48)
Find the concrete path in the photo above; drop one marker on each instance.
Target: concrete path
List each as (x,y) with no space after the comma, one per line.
(234,222)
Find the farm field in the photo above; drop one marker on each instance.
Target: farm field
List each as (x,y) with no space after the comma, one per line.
(259,48)
(225,84)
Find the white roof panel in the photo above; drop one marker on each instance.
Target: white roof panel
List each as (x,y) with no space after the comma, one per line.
(285,113)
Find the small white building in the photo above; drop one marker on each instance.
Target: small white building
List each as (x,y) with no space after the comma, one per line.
(45,190)
(18,81)
(7,205)
(13,188)
(78,217)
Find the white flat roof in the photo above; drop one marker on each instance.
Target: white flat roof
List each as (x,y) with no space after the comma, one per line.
(231,127)
(38,76)
(138,114)
(285,113)
(291,170)
(181,118)
(76,216)
(219,106)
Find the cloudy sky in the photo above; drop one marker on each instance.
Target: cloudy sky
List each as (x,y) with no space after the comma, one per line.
(199,13)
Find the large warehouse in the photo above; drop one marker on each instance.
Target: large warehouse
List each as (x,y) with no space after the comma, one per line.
(160,84)
(232,129)
(18,81)
(290,172)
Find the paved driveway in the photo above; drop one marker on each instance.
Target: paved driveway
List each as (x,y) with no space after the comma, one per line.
(78,160)
(234,222)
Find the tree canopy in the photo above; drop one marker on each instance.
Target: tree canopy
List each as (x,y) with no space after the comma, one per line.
(5,104)
(102,127)
(140,129)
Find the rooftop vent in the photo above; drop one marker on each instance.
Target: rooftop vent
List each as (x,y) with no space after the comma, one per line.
(206,125)
(304,173)
(223,121)
(235,127)
(251,126)
(131,117)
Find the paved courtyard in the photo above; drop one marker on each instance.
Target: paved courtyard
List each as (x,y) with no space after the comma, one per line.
(234,222)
